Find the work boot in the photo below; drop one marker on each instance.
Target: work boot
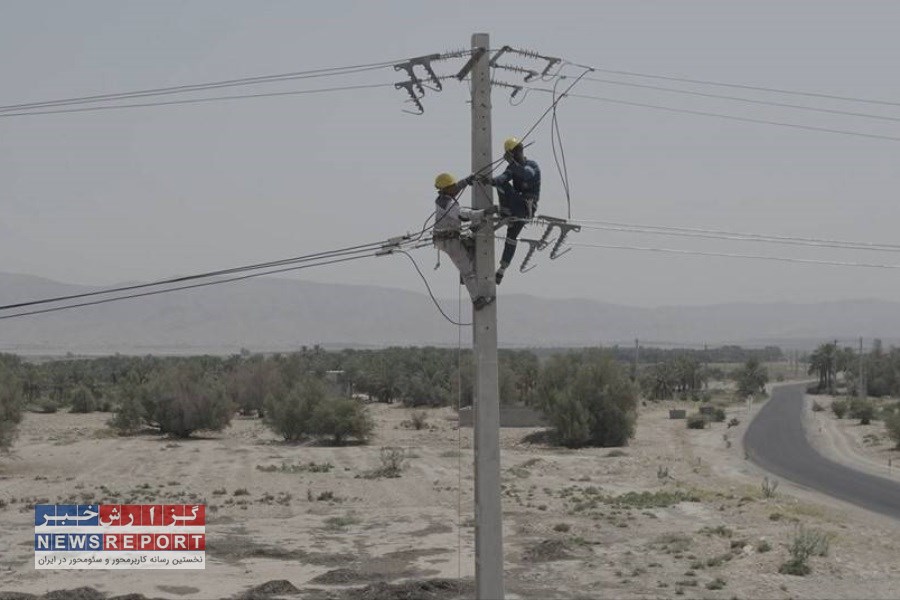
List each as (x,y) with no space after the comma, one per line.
(482,301)
(499,277)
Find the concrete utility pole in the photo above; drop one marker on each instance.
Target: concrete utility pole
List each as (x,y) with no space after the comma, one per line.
(637,352)
(861,386)
(488,509)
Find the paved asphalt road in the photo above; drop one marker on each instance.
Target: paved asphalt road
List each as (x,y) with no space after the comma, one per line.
(776,442)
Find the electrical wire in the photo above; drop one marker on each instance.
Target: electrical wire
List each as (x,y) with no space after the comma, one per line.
(742,99)
(430,293)
(747,256)
(562,168)
(743,236)
(729,117)
(746,87)
(198,100)
(206,275)
(553,105)
(184,287)
(180,89)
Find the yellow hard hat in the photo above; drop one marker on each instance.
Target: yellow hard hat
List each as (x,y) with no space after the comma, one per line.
(444,180)
(510,144)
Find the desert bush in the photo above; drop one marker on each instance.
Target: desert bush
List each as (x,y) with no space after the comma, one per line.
(307,410)
(290,414)
(734,422)
(862,409)
(251,381)
(419,419)
(11,399)
(892,424)
(816,407)
(129,416)
(588,399)
(769,486)
(839,408)
(752,378)
(393,462)
(183,398)
(82,400)
(341,418)
(806,543)
(718,415)
(697,421)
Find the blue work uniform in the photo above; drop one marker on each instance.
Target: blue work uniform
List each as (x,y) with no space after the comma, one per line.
(519,189)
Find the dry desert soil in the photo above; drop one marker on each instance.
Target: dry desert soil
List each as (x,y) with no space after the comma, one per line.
(676,514)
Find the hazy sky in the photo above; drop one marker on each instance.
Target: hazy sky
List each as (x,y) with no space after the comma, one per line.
(141,194)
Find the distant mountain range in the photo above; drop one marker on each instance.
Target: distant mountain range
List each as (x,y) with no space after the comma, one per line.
(282,315)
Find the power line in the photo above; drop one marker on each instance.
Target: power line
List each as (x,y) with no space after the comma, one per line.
(747,256)
(206,275)
(741,99)
(179,89)
(686,232)
(726,116)
(198,100)
(430,293)
(184,287)
(747,87)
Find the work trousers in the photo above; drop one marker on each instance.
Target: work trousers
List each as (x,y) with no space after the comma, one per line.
(463,256)
(520,207)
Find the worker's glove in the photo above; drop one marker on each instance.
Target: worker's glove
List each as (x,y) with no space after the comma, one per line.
(468,180)
(484,179)
(491,210)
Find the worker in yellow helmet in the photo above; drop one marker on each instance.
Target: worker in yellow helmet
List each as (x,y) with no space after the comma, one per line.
(518,189)
(455,239)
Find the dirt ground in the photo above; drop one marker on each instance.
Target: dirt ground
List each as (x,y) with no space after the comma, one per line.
(699,527)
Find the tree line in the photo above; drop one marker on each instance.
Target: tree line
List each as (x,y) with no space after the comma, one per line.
(588,395)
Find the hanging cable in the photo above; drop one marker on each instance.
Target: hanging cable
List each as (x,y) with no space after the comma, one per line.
(748,87)
(181,89)
(741,99)
(834,263)
(198,100)
(206,275)
(741,236)
(430,293)
(184,287)
(726,116)
(556,137)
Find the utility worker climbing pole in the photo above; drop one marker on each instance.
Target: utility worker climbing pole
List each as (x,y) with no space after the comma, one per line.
(452,238)
(519,189)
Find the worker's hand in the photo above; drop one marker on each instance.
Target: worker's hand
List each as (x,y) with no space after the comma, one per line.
(468,180)
(492,210)
(484,179)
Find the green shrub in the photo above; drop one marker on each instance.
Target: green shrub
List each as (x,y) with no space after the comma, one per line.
(129,416)
(862,409)
(11,399)
(806,543)
(697,421)
(839,408)
(82,400)
(419,419)
(588,399)
(183,398)
(341,418)
(892,423)
(718,415)
(290,414)
(306,410)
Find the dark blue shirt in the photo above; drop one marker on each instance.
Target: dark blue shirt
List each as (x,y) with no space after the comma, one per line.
(525,178)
